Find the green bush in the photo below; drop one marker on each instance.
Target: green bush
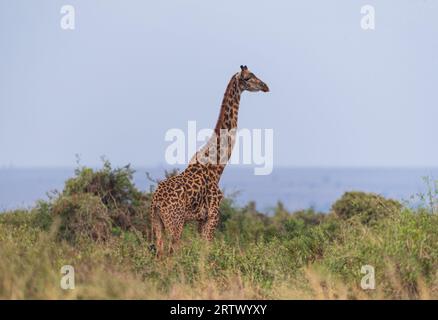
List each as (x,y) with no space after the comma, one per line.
(39,217)
(96,204)
(367,207)
(402,248)
(254,255)
(245,225)
(82,216)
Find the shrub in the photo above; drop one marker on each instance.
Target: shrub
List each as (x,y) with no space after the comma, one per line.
(82,215)
(307,243)
(96,204)
(302,254)
(39,217)
(245,225)
(367,207)
(403,249)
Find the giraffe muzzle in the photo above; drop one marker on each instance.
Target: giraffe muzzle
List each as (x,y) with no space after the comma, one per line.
(264,87)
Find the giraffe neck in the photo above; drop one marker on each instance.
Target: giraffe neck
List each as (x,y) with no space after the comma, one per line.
(226,124)
(230,107)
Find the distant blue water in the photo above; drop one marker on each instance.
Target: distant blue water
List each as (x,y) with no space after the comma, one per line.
(297,188)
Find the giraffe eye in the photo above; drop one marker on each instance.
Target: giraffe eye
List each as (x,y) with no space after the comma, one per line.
(249,77)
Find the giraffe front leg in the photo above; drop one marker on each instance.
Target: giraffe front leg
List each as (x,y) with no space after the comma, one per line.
(210,225)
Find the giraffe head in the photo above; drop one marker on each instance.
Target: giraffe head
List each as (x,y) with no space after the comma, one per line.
(248,81)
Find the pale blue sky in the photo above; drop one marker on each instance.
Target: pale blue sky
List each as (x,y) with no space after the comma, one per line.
(340,96)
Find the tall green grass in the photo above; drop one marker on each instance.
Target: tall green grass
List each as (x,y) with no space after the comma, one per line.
(99,225)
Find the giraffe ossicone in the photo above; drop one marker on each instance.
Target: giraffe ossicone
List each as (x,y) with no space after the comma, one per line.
(194,194)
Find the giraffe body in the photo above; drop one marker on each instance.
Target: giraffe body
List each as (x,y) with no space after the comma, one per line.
(194,194)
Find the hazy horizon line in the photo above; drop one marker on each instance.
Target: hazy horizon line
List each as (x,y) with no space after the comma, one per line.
(233,166)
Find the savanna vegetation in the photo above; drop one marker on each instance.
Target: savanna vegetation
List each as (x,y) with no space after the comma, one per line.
(99,224)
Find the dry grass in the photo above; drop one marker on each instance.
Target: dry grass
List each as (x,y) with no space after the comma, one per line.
(30,269)
(99,225)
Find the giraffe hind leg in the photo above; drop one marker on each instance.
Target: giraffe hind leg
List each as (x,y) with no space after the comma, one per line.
(175,237)
(158,230)
(201,225)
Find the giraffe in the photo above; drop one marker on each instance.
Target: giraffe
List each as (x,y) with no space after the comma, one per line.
(194,194)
